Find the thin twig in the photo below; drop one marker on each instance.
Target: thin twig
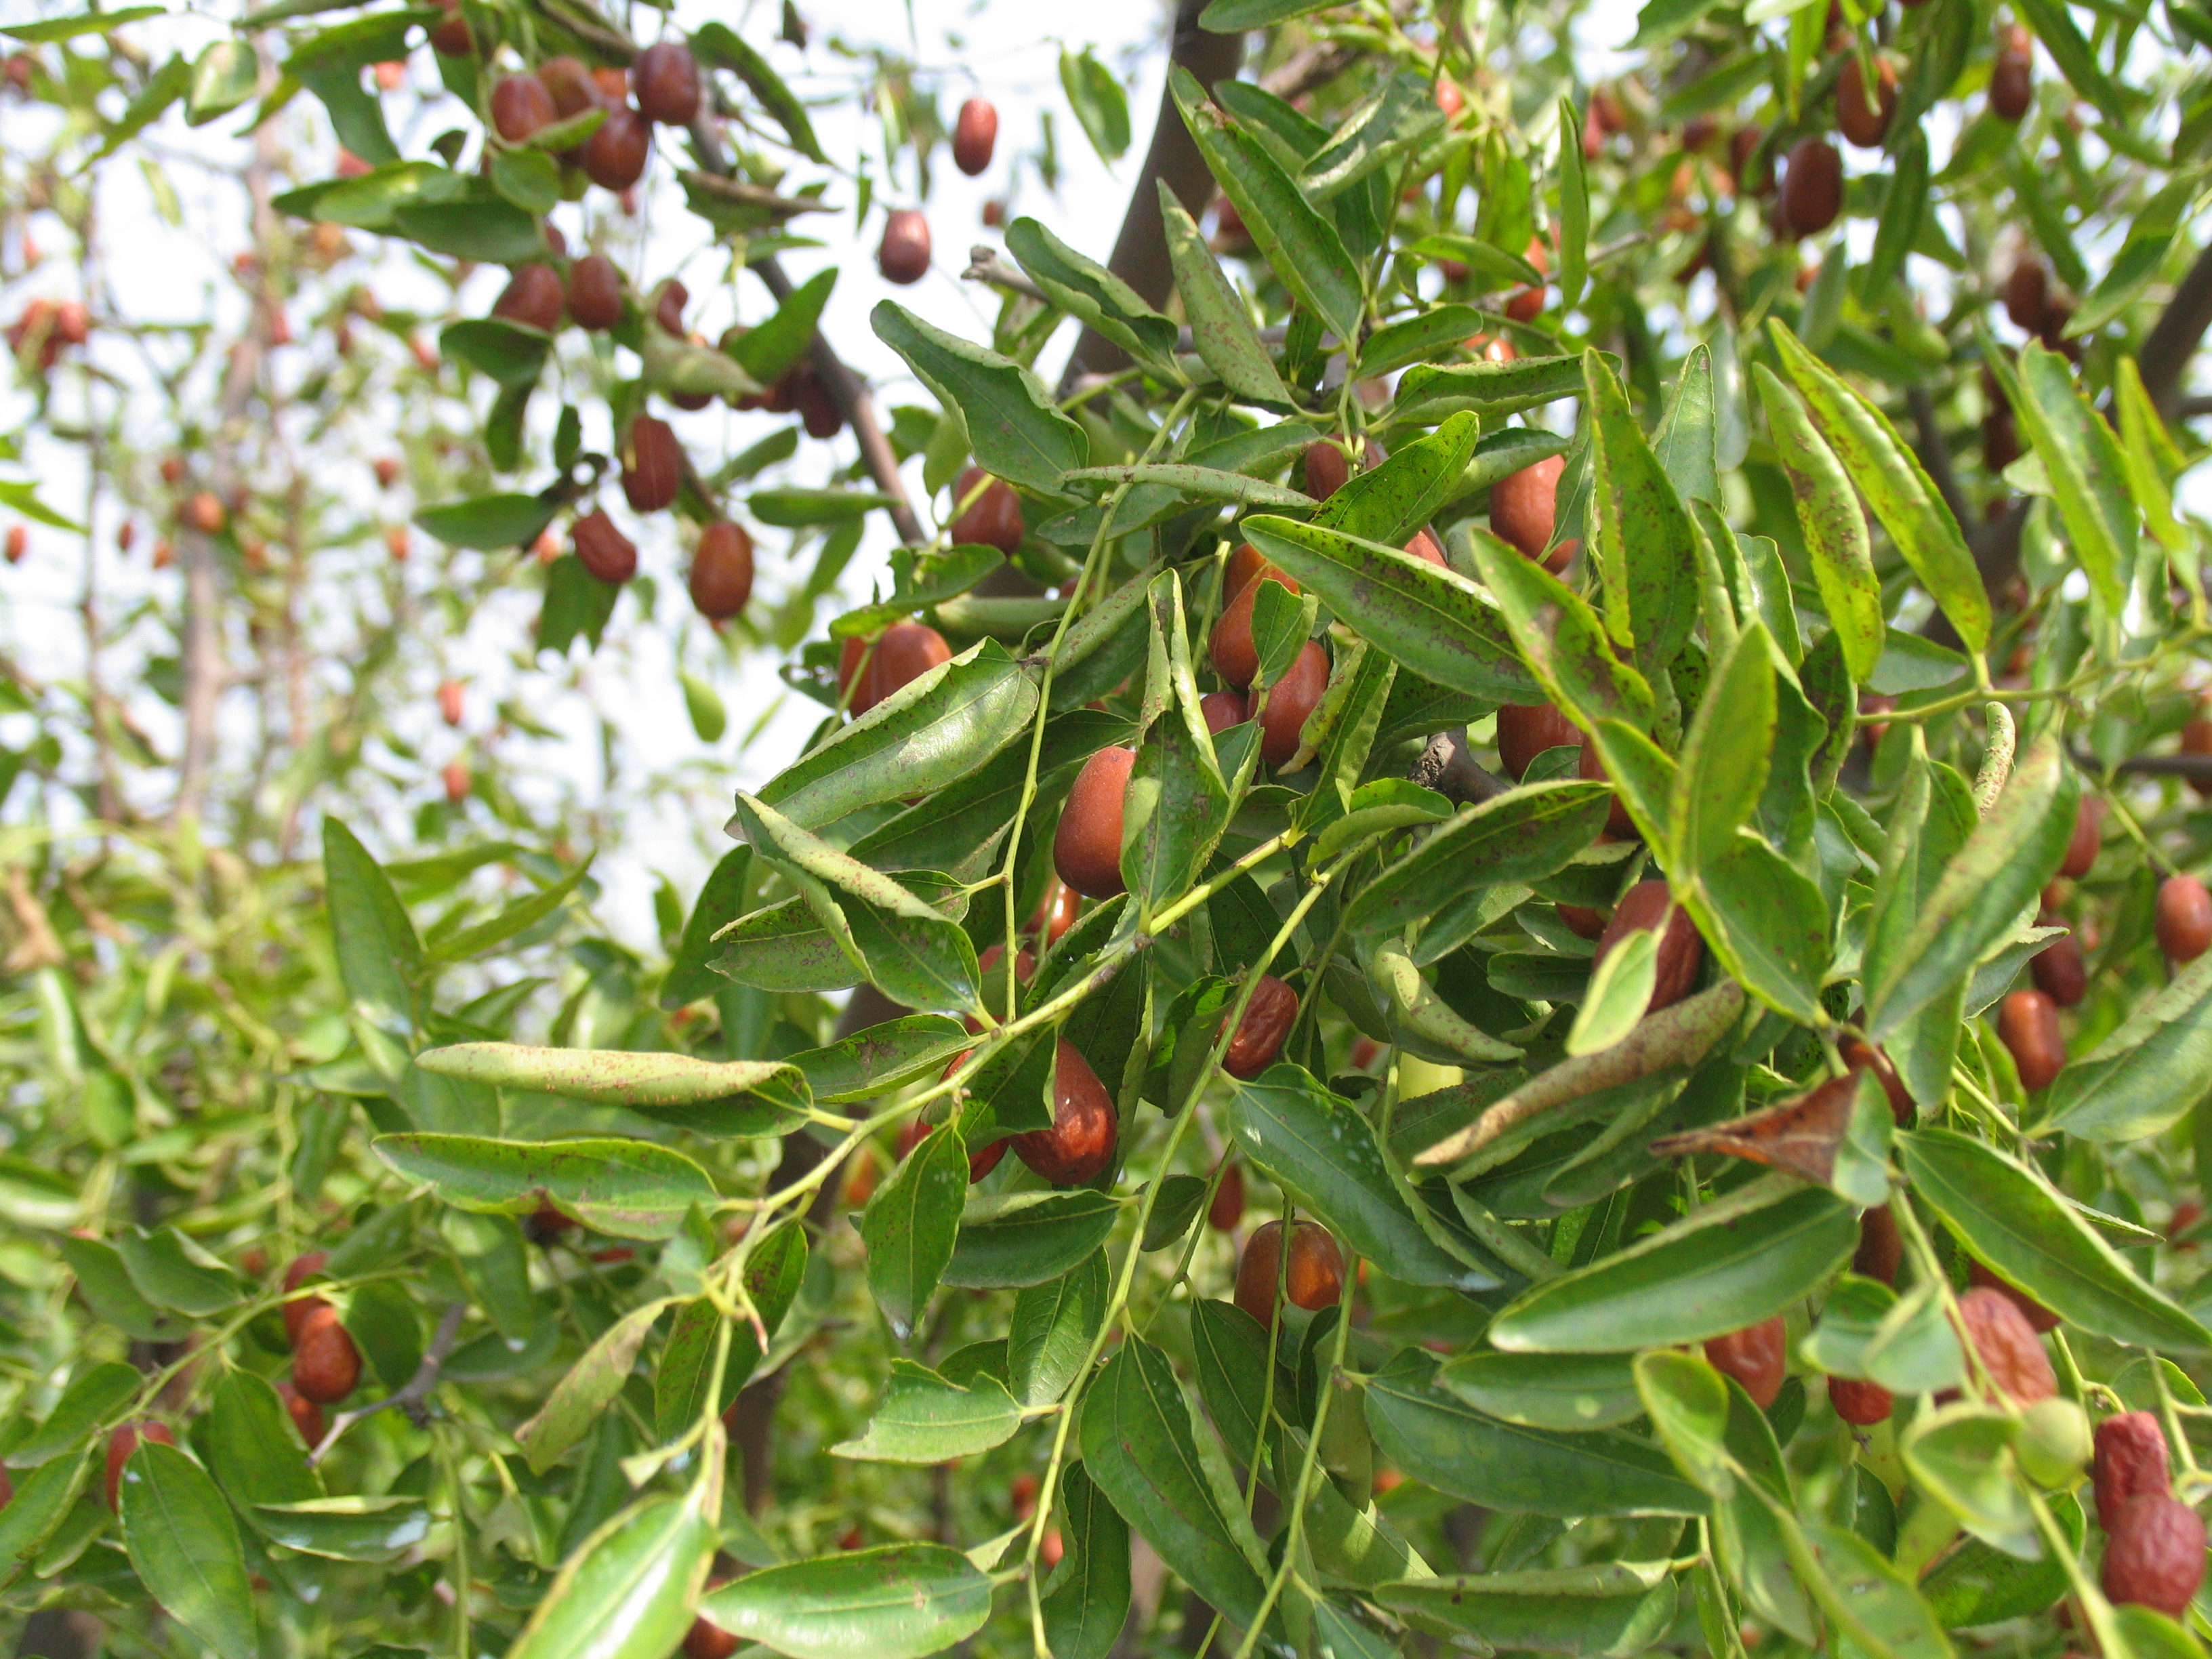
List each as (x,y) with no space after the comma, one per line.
(984,265)
(412,1399)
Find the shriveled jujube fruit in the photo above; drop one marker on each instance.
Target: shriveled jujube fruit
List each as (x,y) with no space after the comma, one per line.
(1527,730)
(2155,1555)
(1291,702)
(521,106)
(1268,1016)
(124,1441)
(2130,1461)
(1227,1208)
(602,550)
(994,518)
(974,136)
(1858,1402)
(595,293)
(2184,918)
(1681,947)
(1589,766)
(666,84)
(2027,1023)
(2028,292)
(2007,1345)
(1222,709)
(1881,1247)
(1313,1278)
(1863,120)
(1524,509)
(2012,75)
(1086,847)
(652,464)
(325,1364)
(1758,1356)
(722,570)
(307,1416)
(2040,1317)
(532,298)
(902,256)
(1326,469)
(1812,186)
(2082,849)
(615,156)
(1084,1127)
(2059,971)
(1235,654)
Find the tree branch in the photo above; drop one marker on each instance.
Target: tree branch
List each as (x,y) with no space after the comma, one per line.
(1448,767)
(2174,338)
(1935,453)
(412,1398)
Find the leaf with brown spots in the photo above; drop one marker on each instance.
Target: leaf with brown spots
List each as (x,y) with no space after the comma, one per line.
(1800,1135)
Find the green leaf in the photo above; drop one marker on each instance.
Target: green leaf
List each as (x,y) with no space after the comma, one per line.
(1888,473)
(1089,292)
(1221,329)
(1429,391)
(2081,456)
(488,524)
(1902,206)
(80,23)
(712,1097)
(923,1419)
(2145,1074)
(1227,16)
(2076,59)
(185,1547)
(1725,760)
(516,920)
(874,1061)
(509,353)
(1640,532)
(1302,246)
(1731,1264)
(1545,1609)
(1509,840)
(1975,1584)
(495,233)
(1389,503)
(2148,452)
(1017,432)
(1418,338)
(1099,104)
(1833,525)
(108,1292)
(1567,1392)
(910,1226)
(40,1505)
(1038,1237)
(252,1449)
(895,1601)
(95,1397)
(1053,1325)
(1193,483)
(627,1592)
(1086,1601)
(720,901)
(766,350)
(631,1188)
(1397,116)
(371,1529)
(1960,1457)
(797,508)
(1434,622)
(1684,442)
(1619,990)
(1443,1442)
(380,957)
(1574,209)
(1562,639)
(2010,1218)
(772,1275)
(719,45)
(586,1390)
(223,77)
(171,1272)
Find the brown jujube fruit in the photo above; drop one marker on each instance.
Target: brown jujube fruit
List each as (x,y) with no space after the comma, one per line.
(1858,1052)
(1881,1247)
(993,518)
(531,298)
(722,570)
(2058,970)
(2154,1555)
(2012,75)
(2087,839)
(325,1364)
(2196,739)
(1589,766)
(2007,1345)
(668,309)
(602,550)
(521,106)
(1235,654)
(653,464)
(2029,1025)
(1267,1019)
(902,256)
(974,136)
(1221,710)
(615,156)
(1812,186)
(1312,1280)
(1291,702)
(1527,730)
(1681,947)
(2130,1461)
(1227,1208)
(1860,1403)
(1084,1129)
(1524,507)
(1865,122)
(2039,1316)
(1525,305)
(307,1416)
(1327,470)
(1086,847)
(906,652)
(124,1441)
(1758,1356)
(2027,294)
(595,293)
(2001,445)
(2184,918)
(569,84)
(666,82)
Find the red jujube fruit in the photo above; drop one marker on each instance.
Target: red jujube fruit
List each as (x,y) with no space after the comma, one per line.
(974,136)
(994,518)
(1313,1278)
(1084,1127)
(1268,1016)
(1681,947)
(1291,702)
(1086,847)
(1758,1356)
(722,570)
(602,550)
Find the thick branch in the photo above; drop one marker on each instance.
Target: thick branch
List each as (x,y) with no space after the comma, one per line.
(2174,338)
(1935,453)
(2193,768)
(1448,767)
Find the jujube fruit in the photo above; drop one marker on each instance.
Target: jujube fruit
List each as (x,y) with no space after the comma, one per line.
(1527,730)
(2130,1461)
(2184,918)
(1589,766)
(570,85)
(2059,971)
(818,410)
(1313,1278)
(532,298)
(296,1310)
(1269,1013)
(902,256)
(1247,562)
(1881,1247)
(2053,1443)
(124,1441)
(1812,186)
(1222,709)
(613,81)
(1581,921)
(1524,507)
(521,106)
(994,518)
(595,293)
(202,512)
(2081,847)
(307,1416)
(1423,546)
(668,309)
(1865,121)
(1086,847)
(457,780)
(906,652)
(1681,947)
(1326,469)
(1758,1356)
(854,685)
(2012,75)
(1084,1128)
(2027,294)
(981,1162)
(451,702)
(452,36)
(2155,1555)
(1055,912)
(614,157)
(2027,1023)
(602,550)
(325,1364)
(722,570)
(1227,1208)
(709,1640)
(974,136)
(652,464)
(2008,1346)
(1235,654)
(666,82)
(2038,1317)
(1291,702)
(1858,1053)
(1859,1402)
